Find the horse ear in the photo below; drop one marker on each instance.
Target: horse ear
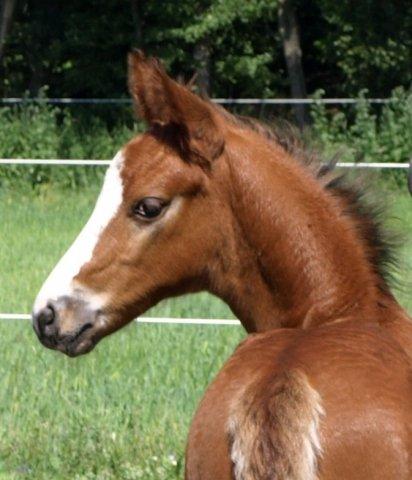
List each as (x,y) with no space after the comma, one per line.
(161,101)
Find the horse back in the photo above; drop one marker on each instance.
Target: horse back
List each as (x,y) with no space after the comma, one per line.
(325,403)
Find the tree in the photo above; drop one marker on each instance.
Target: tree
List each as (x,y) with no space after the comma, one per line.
(289,31)
(201,55)
(238,49)
(363,45)
(5,22)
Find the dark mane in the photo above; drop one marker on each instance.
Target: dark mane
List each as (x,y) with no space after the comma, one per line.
(369,215)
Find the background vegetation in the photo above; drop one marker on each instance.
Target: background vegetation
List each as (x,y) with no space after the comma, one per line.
(78,48)
(258,48)
(123,411)
(358,133)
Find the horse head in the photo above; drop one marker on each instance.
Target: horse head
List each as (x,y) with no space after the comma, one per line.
(149,235)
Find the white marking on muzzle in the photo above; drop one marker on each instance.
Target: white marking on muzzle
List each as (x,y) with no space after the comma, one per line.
(60,281)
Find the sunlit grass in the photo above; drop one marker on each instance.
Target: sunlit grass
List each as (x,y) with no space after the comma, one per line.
(123,411)
(109,412)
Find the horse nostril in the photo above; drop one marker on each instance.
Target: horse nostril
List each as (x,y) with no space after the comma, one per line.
(46,316)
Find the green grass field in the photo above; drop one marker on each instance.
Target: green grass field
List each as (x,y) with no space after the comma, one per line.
(123,411)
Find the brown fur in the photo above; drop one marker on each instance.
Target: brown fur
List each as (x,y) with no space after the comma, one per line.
(367,215)
(273,429)
(349,385)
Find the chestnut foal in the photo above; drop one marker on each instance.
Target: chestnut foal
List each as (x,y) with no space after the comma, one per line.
(205,201)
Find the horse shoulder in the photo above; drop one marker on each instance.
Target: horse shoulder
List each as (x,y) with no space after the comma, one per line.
(280,409)
(274,430)
(232,405)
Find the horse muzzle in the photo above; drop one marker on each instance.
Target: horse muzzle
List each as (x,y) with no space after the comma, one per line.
(68,325)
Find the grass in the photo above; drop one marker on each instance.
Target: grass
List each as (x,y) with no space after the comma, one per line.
(402,223)
(123,411)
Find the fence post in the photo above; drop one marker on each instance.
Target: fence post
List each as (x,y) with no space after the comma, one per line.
(410,177)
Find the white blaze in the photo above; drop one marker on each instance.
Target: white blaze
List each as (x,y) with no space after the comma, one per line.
(60,281)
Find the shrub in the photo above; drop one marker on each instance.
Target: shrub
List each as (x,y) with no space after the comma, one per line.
(367,133)
(360,132)
(39,130)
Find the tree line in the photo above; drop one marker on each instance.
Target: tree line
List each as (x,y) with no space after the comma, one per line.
(232,48)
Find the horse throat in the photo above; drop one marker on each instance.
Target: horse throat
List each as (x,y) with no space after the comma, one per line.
(298,259)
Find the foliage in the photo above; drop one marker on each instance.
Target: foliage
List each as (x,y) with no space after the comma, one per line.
(365,133)
(367,44)
(79,48)
(242,60)
(39,130)
(361,132)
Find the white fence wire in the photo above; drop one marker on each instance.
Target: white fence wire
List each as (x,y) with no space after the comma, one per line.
(161,320)
(221,101)
(99,163)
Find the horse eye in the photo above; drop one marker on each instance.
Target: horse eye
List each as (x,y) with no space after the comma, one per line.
(149,208)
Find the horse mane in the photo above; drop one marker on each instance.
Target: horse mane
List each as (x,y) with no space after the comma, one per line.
(368,214)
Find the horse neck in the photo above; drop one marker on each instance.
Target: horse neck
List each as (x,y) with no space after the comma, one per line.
(296,259)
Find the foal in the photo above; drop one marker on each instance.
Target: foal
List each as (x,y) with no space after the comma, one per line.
(205,201)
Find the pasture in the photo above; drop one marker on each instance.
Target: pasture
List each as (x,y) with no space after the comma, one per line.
(122,411)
